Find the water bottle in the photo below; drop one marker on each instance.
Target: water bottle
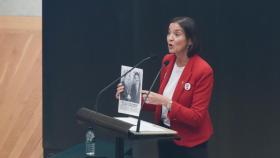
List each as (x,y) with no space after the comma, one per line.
(90,142)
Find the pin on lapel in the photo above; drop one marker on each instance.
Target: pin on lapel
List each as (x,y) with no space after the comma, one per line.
(187,86)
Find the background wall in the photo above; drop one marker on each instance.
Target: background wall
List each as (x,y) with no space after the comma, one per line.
(21,87)
(86,42)
(21,8)
(21,79)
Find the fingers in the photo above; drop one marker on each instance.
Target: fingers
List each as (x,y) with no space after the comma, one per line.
(117,96)
(144,92)
(147,98)
(151,98)
(120,89)
(120,84)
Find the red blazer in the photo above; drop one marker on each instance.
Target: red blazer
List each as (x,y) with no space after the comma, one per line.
(189,114)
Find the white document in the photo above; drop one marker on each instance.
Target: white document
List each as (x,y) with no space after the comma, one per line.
(146,127)
(130,99)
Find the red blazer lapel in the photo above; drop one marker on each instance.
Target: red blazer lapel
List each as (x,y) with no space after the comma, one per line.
(186,74)
(179,88)
(167,73)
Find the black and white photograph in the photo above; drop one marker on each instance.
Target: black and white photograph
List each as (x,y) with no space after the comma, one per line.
(130,102)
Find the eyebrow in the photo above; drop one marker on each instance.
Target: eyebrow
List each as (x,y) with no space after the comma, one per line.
(178,30)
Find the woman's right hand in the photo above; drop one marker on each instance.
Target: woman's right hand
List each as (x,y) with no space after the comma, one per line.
(120,89)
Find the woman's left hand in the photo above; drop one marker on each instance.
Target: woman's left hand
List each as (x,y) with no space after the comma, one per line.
(154,98)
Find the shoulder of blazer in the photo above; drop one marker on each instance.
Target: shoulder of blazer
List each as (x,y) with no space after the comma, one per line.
(168,57)
(200,66)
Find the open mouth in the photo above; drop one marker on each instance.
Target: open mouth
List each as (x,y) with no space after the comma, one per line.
(170,46)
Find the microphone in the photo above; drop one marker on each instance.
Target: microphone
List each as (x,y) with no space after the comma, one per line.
(152,85)
(116,80)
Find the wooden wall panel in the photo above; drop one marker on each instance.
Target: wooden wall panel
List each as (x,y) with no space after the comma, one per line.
(21,87)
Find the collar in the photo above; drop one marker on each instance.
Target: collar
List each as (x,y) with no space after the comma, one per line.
(186,74)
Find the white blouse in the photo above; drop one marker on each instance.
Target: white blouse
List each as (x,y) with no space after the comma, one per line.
(169,90)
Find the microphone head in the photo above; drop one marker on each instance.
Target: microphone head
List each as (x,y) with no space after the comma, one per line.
(166,63)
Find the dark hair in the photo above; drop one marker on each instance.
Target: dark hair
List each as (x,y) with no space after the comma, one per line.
(136,74)
(190,30)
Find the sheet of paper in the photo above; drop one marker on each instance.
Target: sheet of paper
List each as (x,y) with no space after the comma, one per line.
(130,99)
(144,126)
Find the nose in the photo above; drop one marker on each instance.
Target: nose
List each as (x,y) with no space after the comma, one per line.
(170,37)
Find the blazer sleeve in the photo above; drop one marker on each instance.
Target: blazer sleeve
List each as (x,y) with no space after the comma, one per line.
(194,114)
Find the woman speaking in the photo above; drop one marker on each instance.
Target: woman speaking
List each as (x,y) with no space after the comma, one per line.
(182,100)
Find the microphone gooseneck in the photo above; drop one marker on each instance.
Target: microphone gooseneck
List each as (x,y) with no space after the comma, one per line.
(151,87)
(116,80)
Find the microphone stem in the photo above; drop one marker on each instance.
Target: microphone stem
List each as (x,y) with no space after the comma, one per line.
(140,113)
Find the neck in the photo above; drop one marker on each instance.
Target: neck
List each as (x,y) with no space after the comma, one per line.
(182,59)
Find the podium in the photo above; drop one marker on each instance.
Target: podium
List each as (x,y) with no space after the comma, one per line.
(124,128)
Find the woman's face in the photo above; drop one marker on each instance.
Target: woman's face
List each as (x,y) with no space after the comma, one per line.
(176,39)
(136,78)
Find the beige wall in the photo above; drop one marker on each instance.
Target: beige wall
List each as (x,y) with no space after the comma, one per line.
(20,87)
